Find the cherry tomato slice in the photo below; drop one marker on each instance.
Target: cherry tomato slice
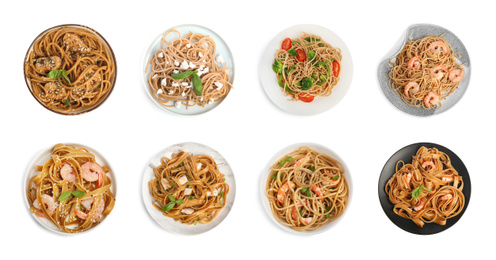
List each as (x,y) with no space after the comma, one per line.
(286,44)
(301,55)
(335,68)
(306,97)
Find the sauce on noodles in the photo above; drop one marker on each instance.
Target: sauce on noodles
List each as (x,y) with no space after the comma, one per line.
(426,72)
(70,69)
(186,72)
(307,189)
(429,190)
(189,188)
(307,67)
(72,191)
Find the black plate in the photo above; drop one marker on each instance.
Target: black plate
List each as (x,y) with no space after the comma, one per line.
(406,154)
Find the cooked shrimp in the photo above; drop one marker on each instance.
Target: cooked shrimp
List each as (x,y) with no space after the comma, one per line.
(446,197)
(87,203)
(48,201)
(437,71)
(428,164)
(456,75)
(300,162)
(91,171)
(408,178)
(295,215)
(431,99)
(67,173)
(413,87)
(414,63)
(420,206)
(438,46)
(74,43)
(46,64)
(282,191)
(317,191)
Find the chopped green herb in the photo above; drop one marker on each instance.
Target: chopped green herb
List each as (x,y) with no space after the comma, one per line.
(312,168)
(172,184)
(190,197)
(189,186)
(181,164)
(274,176)
(335,177)
(67,102)
(194,223)
(288,159)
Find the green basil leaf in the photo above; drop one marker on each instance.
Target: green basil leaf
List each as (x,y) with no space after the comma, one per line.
(182,75)
(425,188)
(78,193)
(416,192)
(56,74)
(179,202)
(169,206)
(197,84)
(171,197)
(64,196)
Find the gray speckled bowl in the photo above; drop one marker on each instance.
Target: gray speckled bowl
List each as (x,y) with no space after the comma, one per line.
(415,32)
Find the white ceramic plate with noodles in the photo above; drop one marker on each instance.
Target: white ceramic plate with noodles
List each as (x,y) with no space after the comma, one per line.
(169,223)
(268,169)
(415,32)
(319,104)
(222,49)
(41,159)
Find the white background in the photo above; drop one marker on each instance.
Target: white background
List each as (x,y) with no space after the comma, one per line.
(247,129)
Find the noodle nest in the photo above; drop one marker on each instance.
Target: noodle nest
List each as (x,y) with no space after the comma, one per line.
(307,189)
(189,188)
(426,72)
(187,71)
(64,194)
(70,69)
(309,67)
(427,190)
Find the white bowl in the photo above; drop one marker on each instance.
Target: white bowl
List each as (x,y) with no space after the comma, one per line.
(266,174)
(169,223)
(221,49)
(320,104)
(41,159)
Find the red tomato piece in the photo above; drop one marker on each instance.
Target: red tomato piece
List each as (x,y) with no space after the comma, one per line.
(335,68)
(286,44)
(306,97)
(301,55)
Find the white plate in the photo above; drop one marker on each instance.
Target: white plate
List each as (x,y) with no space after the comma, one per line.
(41,159)
(222,49)
(320,104)
(268,169)
(169,223)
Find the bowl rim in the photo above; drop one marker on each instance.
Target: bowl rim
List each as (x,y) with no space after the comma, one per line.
(102,39)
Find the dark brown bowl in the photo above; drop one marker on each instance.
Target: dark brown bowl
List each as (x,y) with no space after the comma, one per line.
(81,110)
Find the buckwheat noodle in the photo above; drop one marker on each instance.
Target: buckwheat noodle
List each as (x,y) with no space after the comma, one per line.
(46,190)
(87,61)
(189,188)
(307,189)
(295,71)
(433,179)
(433,66)
(193,49)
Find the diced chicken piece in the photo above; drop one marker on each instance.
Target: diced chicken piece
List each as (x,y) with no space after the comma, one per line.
(188,191)
(74,43)
(187,211)
(47,64)
(182,180)
(91,79)
(165,184)
(54,91)
(209,194)
(198,166)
